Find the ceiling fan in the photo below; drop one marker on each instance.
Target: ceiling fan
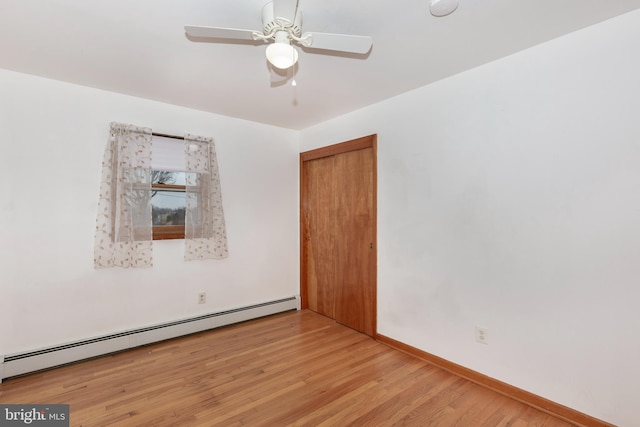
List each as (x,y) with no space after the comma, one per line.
(282,25)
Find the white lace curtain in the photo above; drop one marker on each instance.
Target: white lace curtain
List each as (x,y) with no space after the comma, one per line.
(205,232)
(123,226)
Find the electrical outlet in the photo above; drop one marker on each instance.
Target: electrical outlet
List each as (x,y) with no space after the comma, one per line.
(482,335)
(202,297)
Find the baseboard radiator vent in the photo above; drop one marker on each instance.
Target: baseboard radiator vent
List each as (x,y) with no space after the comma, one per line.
(32,361)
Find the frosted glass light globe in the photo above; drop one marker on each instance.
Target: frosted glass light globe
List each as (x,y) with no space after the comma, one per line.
(281,55)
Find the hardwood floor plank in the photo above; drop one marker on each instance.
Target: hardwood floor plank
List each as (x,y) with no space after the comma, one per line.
(292,369)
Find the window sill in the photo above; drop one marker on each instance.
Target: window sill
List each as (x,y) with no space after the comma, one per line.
(168,232)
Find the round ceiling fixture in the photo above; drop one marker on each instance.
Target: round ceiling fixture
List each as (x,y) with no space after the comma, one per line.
(443,7)
(281,54)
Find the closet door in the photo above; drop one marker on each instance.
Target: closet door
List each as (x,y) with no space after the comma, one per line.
(338,229)
(355,235)
(319,236)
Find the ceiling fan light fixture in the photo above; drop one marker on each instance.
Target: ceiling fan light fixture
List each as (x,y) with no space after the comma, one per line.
(281,55)
(282,24)
(441,8)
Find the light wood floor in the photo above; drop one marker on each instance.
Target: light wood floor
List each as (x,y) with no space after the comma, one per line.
(296,368)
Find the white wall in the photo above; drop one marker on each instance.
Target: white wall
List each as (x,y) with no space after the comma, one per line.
(509,197)
(52,137)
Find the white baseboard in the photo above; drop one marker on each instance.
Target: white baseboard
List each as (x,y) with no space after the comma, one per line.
(22,363)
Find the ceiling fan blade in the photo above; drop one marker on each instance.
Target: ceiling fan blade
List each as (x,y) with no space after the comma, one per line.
(219,33)
(339,42)
(285,9)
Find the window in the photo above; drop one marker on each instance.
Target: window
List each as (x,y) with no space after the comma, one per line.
(157,186)
(168,186)
(168,204)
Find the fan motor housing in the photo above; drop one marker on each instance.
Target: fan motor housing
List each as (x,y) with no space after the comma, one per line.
(271,23)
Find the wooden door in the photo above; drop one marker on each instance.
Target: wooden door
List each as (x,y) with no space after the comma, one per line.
(338,229)
(319,236)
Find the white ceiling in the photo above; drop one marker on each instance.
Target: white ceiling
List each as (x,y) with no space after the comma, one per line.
(138,47)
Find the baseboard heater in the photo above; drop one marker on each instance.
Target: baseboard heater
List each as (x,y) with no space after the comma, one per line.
(31,361)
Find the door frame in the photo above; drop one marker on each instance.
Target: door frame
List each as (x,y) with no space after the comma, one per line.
(370,141)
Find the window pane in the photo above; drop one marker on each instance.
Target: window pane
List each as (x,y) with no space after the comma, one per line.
(168,177)
(168,207)
(179,177)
